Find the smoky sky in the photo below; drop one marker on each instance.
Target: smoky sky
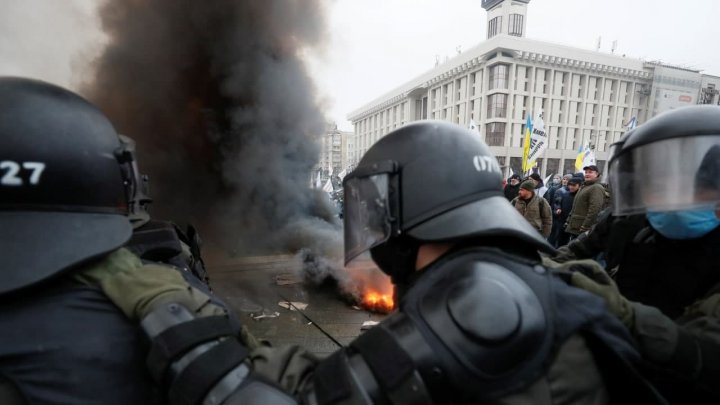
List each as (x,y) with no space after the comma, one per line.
(219,101)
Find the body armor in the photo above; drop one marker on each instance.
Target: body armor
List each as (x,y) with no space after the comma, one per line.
(478,325)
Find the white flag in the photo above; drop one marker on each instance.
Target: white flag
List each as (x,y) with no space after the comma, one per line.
(589,158)
(547,179)
(473,126)
(318,181)
(330,172)
(632,123)
(538,139)
(342,173)
(328,187)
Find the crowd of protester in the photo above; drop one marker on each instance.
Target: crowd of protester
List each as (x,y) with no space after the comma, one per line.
(564,208)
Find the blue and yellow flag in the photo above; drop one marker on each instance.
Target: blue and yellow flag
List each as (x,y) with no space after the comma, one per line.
(526,146)
(579,159)
(585,157)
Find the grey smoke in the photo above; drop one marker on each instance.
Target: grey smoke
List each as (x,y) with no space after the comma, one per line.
(225,116)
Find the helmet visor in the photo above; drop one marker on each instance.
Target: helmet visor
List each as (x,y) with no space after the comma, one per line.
(366,213)
(668,175)
(613,149)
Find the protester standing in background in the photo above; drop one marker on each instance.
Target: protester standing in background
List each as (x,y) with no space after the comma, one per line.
(512,187)
(535,209)
(587,204)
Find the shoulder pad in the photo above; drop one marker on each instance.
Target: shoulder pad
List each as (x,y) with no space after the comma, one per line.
(484,315)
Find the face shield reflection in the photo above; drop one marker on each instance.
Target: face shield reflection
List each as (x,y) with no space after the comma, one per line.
(367,214)
(669,175)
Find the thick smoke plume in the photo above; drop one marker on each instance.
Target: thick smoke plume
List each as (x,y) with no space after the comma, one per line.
(225,116)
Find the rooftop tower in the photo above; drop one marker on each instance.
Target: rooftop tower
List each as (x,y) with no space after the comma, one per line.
(506,17)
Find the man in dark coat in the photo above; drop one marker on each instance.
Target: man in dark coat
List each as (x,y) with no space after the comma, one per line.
(512,187)
(588,203)
(562,205)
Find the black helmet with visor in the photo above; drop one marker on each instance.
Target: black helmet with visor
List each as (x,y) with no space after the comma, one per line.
(429,181)
(670,163)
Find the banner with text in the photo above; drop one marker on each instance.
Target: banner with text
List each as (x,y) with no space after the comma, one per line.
(538,140)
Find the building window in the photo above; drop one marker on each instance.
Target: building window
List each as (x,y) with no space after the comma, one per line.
(499,76)
(497,106)
(516,164)
(494,27)
(495,134)
(516,25)
(553,166)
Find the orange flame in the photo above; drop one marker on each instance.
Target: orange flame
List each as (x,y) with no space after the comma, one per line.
(376,301)
(372,289)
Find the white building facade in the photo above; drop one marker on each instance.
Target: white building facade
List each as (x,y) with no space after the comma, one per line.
(334,146)
(586,96)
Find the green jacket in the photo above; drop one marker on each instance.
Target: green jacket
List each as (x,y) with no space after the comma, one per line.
(537,211)
(587,205)
(136,288)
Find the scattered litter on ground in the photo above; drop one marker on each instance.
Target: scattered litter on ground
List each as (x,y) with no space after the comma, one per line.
(357,308)
(368,324)
(263,316)
(286,279)
(293,305)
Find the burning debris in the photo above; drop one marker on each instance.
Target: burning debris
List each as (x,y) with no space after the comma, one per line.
(217,97)
(372,289)
(362,283)
(377,302)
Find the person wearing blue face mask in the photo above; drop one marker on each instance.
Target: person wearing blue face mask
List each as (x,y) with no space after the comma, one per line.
(661,242)
(679,225)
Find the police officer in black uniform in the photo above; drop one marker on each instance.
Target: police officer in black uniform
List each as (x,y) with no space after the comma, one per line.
(480,319)
(661,243)
(79,315)
(159,241)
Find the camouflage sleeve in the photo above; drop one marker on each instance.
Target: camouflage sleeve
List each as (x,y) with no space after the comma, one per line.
(689,347)
(136,288)
(595,203)
(565,253)
(291,367)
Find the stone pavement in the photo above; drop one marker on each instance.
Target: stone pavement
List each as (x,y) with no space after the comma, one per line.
(248,285)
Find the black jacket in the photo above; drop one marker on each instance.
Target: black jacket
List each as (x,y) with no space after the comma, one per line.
(54,349)
(651,269)
(563,201)
(676,277)
(511,191)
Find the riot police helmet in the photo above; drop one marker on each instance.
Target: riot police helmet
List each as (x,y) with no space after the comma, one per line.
(429,181)
(63,198)
(670,163)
